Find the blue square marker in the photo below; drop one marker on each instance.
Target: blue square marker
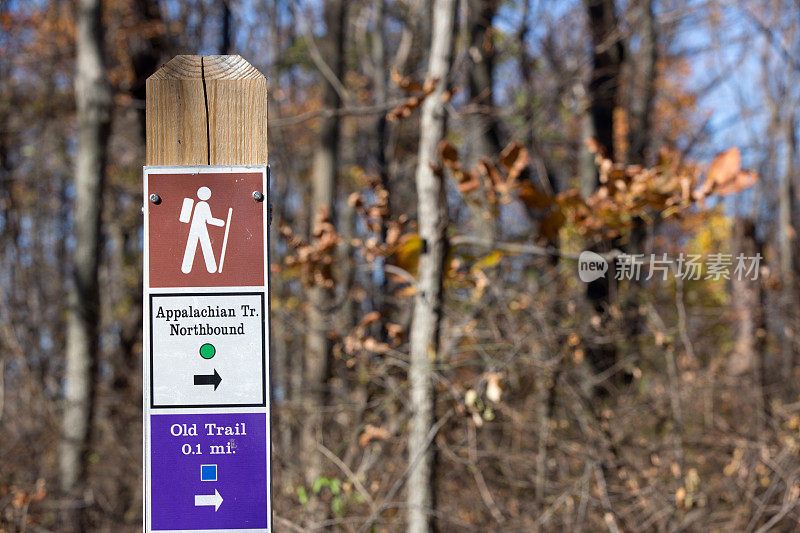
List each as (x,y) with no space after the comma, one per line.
(208,472)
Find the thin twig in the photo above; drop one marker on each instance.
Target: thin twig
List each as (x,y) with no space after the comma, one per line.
(563,497)
(403,273)
(788,506)
(609,518)
(322,66)
(2,388)
(584,501)
(340,112)
(682,329)
(483,489)
(289,524)
(348,472)
(402,479)
(523,248)
(674,393)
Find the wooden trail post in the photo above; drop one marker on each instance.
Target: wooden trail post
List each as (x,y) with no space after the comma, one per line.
(207,110)
(206,294)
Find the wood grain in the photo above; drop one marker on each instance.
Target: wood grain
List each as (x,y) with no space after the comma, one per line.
(206,110)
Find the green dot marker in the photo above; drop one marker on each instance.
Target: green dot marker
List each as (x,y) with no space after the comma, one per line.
(207,351)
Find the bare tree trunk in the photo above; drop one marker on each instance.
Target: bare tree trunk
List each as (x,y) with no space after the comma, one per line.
(531,137)
(607,58)
(432,219)
(381,92)
(586,167)
(787,238)
(782,124)
(381,68)
(786,198)
(746,302)
(602,90)
(226,38)
(146,53)
(641,103)
(93,97)
(318,347)
(485,128)
(481,75)
(640,94)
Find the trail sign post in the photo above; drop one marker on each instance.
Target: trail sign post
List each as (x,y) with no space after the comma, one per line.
(206,355)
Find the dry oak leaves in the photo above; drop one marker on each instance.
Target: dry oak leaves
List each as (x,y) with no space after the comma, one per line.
(417,93)
(625,192)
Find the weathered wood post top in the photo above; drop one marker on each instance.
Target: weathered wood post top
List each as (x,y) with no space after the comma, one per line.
(207,110)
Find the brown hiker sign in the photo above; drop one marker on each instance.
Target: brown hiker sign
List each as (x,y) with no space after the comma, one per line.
(210,228)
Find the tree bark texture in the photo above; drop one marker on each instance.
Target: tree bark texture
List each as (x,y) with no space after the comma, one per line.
(786,200)
(484,126)
(607,57)
(324,177)
(746,303)
(641,103)
(432,220)
(787,242)
(93,98)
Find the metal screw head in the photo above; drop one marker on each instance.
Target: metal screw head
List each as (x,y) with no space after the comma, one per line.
(156,199)
(258,196)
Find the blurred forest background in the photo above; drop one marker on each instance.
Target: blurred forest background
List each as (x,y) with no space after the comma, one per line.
(436,169)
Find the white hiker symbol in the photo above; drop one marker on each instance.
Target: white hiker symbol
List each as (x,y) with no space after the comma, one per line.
(198,231)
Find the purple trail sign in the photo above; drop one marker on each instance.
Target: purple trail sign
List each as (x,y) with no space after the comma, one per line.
(208,471)
(206,382)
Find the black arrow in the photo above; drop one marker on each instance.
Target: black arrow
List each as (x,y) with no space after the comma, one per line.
(213,379)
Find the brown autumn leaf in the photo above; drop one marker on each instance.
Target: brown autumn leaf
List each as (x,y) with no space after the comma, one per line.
(467,179)
(468,182)
(41,491)
(573,340)
(19,499)
(407,291)
(488,169)
(448,154)
(533,197)
(593,146)
(551,224)
(724,167)
(406,83)
(314,259)
(429,86)
(740,182)
(404,110)
(369,318)
(395,332)
(371,433)
(393,233)
(725,176)
(292,240)
(514,159)
(449,93)
(355,200)
(372,345)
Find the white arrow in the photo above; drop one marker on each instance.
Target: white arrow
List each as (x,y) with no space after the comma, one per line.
(208,499)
